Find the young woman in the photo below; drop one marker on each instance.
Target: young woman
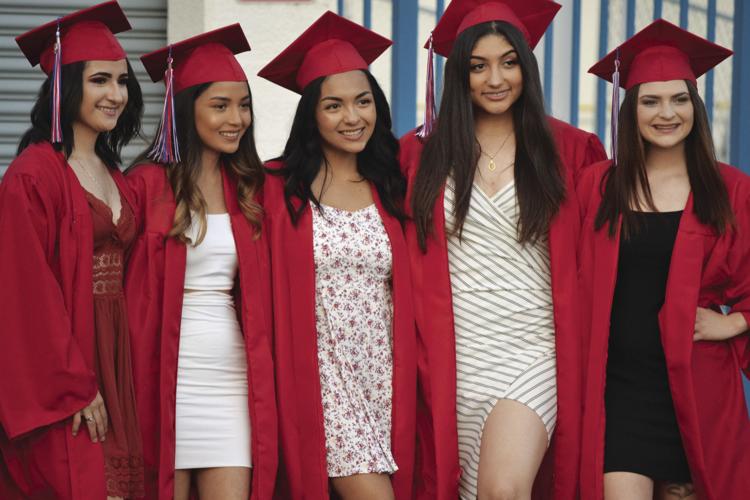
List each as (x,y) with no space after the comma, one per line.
(344,327)
(198,283)
(67,407)
(493,253)
(665,243)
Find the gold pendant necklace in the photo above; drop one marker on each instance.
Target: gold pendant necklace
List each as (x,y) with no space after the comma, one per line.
(491,166)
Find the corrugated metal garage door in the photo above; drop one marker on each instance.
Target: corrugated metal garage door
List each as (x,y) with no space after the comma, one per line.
(19,83)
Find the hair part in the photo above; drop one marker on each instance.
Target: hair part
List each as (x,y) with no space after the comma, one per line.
(453,150)
(109,144)
(621,185)
(303,155)
(244,165)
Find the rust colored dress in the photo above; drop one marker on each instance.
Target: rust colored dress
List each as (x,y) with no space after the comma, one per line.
(123,456)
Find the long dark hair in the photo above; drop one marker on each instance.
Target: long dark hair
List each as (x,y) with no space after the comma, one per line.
(620,184)
(183,177)
(108,144)
(452,149)
(303,155)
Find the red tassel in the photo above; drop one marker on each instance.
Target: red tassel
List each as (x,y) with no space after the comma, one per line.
(56,128)
(429,103)
(166,149)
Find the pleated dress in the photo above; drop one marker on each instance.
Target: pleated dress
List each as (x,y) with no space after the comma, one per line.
(123,456)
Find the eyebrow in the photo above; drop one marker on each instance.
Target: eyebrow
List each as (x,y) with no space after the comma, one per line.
(104,74)
(511,51)
(650,96)
(338,99)
(226,99)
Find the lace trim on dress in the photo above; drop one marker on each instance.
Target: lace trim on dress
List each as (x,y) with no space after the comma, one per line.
(124,476)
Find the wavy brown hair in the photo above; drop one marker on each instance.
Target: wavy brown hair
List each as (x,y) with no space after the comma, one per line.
(452,149)
(620,184)
(244,165)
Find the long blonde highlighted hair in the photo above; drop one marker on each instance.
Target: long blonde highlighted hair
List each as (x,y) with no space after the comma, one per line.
(244,165)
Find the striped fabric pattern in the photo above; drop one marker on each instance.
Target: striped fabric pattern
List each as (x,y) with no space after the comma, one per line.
(504,328)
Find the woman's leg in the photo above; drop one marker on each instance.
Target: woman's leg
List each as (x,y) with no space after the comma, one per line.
(223,483)
(514,441)
(675,491)
(627,486)
(363,487)
(182,484)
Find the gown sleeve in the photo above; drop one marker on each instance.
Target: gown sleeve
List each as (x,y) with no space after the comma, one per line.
(738,292)
(46,378)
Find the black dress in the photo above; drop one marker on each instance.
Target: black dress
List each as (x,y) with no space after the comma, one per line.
(642,435)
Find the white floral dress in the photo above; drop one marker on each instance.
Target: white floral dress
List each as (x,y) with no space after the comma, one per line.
(353,317)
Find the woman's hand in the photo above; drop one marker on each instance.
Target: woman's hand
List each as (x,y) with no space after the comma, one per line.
(712,325)
(95,416)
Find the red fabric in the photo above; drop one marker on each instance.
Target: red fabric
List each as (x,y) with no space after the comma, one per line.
(204,58)
(123,458)
(704,377)
(661,52)
(154,289)
(436,422)
(85,35)
(331,45)
(531,17)
(298,382)
(47,338)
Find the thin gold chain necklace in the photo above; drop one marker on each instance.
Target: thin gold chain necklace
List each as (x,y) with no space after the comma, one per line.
(89,175)
(491,166)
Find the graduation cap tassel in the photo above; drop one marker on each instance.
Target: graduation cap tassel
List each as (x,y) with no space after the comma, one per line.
(166,149)
(429,106)
(615,117)
(56,128)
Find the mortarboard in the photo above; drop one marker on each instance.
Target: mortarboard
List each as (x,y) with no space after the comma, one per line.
(658,53)
(531,17)
(331,45)
(208,57)
(84,35)
(205,58)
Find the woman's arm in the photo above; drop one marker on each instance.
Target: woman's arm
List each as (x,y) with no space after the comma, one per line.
(46,378)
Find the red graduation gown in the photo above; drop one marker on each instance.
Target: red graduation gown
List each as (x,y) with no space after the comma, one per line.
(436,422)
(47,329)
(154,288)
(704,377)
(301,426)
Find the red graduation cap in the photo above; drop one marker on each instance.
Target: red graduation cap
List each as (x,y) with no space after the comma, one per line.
(204,58)
(331,45)
(85,35)
(531,17)
(660,52)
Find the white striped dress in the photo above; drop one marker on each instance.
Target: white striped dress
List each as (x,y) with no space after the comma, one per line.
(504,328)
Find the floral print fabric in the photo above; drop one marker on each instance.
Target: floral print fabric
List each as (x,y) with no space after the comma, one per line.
(353,317)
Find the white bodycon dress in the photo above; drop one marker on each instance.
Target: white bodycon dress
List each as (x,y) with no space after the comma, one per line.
(212,416)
